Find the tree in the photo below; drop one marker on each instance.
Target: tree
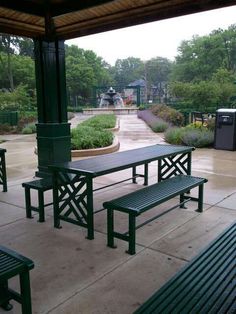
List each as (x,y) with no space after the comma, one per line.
(224,81)
(205,69)
(26,47)
(128,70)
(158,70)
(198,59)
(7,46)
(84,70)
(22,71)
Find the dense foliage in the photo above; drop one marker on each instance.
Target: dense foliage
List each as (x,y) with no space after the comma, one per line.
(86,137)
(84,70)
(190,137)
(195,134)
(201,78)
(204,73)
(103,121)
(168,114)
(92,133)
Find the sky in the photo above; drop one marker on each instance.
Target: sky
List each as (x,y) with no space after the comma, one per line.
(156,39)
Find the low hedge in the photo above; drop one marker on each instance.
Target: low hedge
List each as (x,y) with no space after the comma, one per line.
(156,124)
(103,121)
(190,136)
(86,137)
(92,133)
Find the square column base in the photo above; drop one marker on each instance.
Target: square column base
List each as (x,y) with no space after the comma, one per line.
(53,146)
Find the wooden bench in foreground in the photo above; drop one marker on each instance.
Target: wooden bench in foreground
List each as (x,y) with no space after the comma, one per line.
(11,265)
(206,285)
(135,203)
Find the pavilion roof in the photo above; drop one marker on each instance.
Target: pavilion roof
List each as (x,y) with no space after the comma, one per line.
(65,19)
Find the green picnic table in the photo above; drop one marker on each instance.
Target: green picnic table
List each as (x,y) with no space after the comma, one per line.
(73,181)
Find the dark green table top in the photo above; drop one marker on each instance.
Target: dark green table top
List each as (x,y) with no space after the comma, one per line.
(109,163)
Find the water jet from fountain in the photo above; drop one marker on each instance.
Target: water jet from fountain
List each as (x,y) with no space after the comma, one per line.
(111,99)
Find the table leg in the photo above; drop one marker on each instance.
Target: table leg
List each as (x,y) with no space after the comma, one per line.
(134,174)
(55,201)
(90,214)
(145,174)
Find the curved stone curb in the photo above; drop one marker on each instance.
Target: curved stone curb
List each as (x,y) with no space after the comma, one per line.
(117,126)
(97,151)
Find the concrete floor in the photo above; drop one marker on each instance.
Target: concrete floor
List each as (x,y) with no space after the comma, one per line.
(75,275)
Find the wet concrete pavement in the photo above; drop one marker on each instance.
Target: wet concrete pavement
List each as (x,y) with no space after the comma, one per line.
(74,275)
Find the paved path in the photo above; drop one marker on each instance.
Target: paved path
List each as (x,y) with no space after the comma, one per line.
(22,162)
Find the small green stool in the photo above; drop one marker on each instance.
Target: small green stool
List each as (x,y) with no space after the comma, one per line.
(41,186)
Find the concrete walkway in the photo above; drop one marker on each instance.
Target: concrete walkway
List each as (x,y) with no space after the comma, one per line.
(75,275)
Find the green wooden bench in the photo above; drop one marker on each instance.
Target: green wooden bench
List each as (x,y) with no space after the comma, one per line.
(13,264)
(3,173)
(41,185)
(138,202)
(207,284)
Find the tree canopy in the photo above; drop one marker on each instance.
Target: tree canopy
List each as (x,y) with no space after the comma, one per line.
(202,75)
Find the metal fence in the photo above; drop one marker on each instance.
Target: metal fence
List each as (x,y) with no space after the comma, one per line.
(10,118)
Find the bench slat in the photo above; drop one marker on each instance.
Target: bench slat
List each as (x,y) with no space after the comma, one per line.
(148,197)
(206,285)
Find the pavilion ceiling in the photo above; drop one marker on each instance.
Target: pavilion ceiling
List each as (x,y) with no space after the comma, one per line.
(65,19)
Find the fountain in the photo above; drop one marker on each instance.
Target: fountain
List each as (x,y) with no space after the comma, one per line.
(111,99)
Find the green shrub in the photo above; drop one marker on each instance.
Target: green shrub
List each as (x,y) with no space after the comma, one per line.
(30,115)
(75,109)
(29,129)
(168,114)
(195,126)
(142,107)
(190,136)
(86,137)
(157,109)
(159,126)
(198,138)
(174,136)
(103,121)
(211,124)
(5,128)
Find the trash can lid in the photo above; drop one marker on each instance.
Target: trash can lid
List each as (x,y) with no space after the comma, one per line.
(226,110)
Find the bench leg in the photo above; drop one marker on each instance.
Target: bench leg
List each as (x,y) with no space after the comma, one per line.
(28,203)
(4,296)
(145,174)
(41,206)
(132,234)
(134,173)
(110,228)
(25,293)
(181,200)
(200,199)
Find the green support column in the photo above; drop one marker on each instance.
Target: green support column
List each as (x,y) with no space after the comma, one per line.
(53,130)
(138,96)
